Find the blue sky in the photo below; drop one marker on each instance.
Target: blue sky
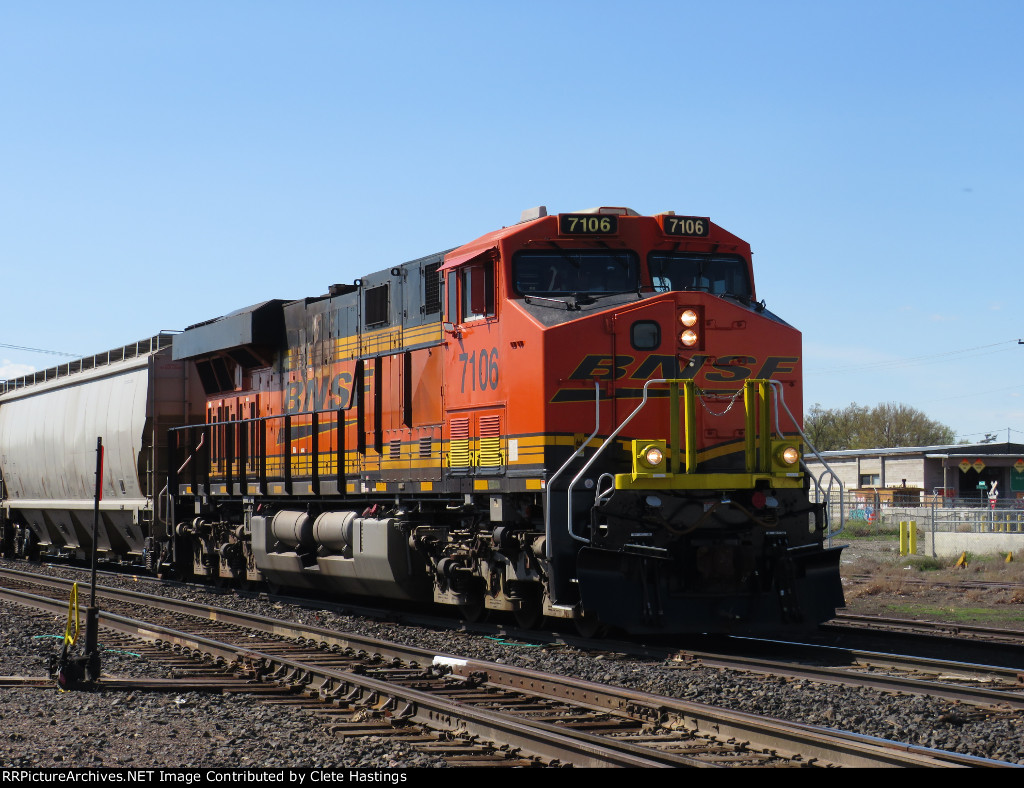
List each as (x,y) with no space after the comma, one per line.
(163,164)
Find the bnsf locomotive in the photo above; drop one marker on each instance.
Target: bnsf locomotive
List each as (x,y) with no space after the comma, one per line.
(586,416)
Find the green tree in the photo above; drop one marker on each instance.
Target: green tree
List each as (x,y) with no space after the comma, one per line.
(885,426)
(835,428)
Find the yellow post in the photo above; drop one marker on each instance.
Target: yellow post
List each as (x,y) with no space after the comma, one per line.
(690,409)
(903,537)
(71,628)
(674,427)
(912,527)
(750,427)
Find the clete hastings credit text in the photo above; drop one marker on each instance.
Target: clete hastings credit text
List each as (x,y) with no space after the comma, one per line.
(296,777)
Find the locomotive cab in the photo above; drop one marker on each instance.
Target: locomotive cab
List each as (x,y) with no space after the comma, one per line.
(593,308)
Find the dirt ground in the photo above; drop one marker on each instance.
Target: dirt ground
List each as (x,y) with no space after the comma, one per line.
(878,581)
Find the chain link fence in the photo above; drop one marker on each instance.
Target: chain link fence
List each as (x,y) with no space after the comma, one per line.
(945,527)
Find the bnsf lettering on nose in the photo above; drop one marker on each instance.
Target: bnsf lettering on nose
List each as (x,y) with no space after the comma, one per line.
(720,369)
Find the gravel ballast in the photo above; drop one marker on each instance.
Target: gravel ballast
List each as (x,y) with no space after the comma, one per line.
(44,727)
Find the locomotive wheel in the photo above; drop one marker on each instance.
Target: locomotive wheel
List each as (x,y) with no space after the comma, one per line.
(588,625)
(529,615)
(474,611)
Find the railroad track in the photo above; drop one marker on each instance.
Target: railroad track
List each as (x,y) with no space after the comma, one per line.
(927,639)
(475,711)
(995,689)
(943,637)
(988,685)
(948,585)
(945,629)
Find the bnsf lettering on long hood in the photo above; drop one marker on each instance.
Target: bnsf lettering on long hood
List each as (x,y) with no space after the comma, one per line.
(326,392)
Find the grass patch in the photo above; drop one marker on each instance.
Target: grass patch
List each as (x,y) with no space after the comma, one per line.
(863,535)
(925,563)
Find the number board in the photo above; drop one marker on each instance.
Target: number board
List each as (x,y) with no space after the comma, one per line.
(587,224)
(693,226)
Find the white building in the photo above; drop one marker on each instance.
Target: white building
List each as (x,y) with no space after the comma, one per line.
(917,473)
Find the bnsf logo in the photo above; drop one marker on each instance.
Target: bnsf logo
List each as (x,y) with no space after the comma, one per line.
(720,369)
(318,393)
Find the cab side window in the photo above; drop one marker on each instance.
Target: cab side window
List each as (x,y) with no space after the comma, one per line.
(476,291)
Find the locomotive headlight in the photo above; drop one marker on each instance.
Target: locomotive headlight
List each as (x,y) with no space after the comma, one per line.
(653,456)
(649,458)
(690,322)
(787,454)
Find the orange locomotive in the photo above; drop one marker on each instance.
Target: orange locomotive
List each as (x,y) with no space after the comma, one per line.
(585,416)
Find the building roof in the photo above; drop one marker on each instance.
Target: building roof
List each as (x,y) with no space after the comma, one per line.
(941,450)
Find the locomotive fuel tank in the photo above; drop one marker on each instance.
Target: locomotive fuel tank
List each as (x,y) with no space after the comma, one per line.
(337,551)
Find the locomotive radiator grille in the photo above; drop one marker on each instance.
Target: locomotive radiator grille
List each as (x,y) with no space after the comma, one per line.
(490,441)
(459,455)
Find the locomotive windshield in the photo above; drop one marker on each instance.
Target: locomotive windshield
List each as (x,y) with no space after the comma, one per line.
(562,272)
(719,274)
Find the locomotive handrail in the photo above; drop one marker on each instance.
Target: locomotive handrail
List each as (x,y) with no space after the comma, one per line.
(600,449)
(780,399)
(202,440)
(826,496)
(162,500)
(165,491)
(556,474)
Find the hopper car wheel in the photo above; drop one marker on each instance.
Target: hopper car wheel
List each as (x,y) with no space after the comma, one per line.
(273,588)
(588,625)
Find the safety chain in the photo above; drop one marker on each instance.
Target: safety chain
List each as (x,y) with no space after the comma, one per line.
(701,395)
